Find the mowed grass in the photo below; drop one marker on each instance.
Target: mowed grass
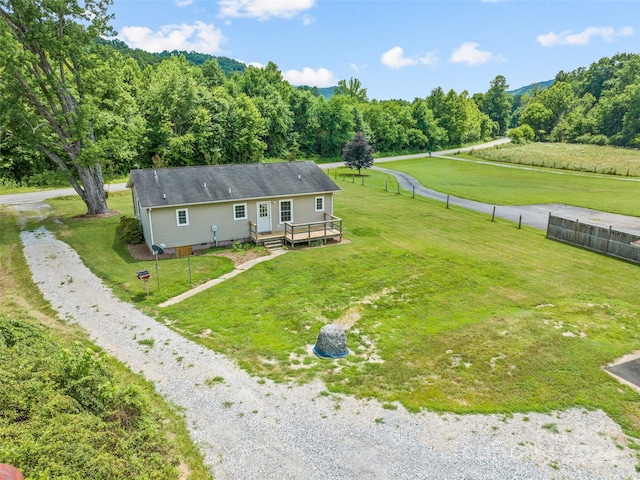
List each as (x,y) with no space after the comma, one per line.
(502,184)
(449,311)
(98,243)
(453,313)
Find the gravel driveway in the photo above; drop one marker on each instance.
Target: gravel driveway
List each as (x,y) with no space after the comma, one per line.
(252,429)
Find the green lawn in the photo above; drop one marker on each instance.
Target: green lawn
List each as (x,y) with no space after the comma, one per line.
(452,312)
(502,184)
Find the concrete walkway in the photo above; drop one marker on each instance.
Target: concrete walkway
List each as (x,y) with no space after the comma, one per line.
(216,281)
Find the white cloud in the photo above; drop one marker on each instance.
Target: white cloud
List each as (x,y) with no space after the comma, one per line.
(308,20)
(430,59)
(264,9)
(608,34)
(199,37)
(395,59)
(469,53)
(320,77)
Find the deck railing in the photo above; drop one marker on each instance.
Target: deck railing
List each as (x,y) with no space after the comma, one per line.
(330,227)
(322,230)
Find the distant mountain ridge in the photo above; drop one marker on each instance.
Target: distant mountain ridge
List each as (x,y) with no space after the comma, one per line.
(229,66)
(529,89)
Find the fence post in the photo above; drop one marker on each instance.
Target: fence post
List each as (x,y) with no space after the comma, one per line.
(493,215)
(520,222)
(447,201)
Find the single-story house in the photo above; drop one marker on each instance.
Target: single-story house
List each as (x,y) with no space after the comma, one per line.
(202,206)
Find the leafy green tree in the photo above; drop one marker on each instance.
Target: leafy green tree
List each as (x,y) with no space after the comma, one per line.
(336,125)
(47,50)
(358,153)
(353,89)
(305,109)
(496,103)
(177,108)
(539,118)
(245,128)
(270,94)
(426,123)
(213,74)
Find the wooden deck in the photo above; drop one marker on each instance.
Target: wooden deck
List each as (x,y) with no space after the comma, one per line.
(293,233)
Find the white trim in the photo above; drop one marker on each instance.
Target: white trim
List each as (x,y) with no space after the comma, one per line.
(186,216)
(280,221)
(246,213)
(315,204)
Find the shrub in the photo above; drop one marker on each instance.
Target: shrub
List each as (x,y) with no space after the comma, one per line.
(130,230)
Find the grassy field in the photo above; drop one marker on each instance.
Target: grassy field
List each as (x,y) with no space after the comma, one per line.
(583,158)
(66,409)
(445,310)
(500,184)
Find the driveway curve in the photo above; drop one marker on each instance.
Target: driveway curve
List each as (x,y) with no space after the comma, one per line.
(536,216)
(249,428)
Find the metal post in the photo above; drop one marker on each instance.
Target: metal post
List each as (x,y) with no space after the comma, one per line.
(493,215)
(386,184)
(157,271)
(398,188)
(520,222)
(414,192)
(447,201)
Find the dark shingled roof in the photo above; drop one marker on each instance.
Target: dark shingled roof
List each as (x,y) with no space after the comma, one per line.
(207,184)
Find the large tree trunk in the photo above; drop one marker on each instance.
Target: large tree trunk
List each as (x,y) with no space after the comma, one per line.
(92,192)
(91,186)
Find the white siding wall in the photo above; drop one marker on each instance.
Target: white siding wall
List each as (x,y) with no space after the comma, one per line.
(202,217)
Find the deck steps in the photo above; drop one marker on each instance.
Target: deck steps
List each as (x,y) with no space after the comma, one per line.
(273,244)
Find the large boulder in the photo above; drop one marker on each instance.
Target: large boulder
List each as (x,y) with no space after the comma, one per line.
(331,343)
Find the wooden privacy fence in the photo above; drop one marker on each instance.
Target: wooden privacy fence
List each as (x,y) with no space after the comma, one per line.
(599,239)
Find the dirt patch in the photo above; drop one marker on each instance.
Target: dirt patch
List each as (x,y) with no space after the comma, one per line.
(110,213)
(141,252)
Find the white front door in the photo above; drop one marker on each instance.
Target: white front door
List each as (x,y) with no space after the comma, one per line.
(264,217)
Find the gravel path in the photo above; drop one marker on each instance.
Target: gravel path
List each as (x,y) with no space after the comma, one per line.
(251,429)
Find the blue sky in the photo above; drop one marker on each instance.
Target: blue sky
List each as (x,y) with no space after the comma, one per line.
(397,49)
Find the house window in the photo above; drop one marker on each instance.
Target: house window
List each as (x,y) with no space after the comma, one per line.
(182,217)
(240,211)
(319,204)
(286,211)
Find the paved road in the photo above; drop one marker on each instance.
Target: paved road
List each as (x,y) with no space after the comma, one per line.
(536,216)
(39,197)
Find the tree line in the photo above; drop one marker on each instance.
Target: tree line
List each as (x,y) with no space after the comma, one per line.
(75,107)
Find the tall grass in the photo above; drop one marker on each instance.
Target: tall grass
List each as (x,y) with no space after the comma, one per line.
(568,156)
(68,410)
